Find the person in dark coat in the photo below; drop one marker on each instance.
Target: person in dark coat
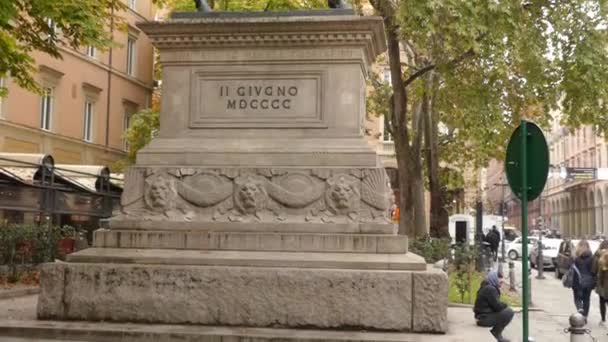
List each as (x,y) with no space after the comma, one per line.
(489,311)
(600,269)
(583,281)
(493,239)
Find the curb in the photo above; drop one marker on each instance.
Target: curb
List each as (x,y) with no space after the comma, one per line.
(459,305)
(8,294)
(514,308)
(134,332)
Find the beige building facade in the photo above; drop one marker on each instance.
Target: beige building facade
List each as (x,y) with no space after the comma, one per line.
(579,208)
(88,100)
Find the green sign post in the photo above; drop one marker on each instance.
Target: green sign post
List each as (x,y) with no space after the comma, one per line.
(527,168)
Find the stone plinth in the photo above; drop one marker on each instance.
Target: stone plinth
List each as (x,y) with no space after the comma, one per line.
(240,296)
(264,91)
(259,204)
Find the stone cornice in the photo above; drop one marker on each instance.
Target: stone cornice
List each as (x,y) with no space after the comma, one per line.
(367,32)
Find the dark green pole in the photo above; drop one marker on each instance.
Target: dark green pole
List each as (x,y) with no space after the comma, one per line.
(524,227)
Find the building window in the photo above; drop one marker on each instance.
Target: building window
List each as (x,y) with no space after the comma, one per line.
(88,121)
(386,75)
(46,109)
(131,56)
(126,123)
(91,51)
(132,4)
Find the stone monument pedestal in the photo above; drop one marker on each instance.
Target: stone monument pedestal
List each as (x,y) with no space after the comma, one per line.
(259,204)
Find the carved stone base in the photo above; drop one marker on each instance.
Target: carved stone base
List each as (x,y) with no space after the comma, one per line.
(315,196)
(251,241)
(245,296)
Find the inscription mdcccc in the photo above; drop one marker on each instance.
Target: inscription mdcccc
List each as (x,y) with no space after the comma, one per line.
(283,100)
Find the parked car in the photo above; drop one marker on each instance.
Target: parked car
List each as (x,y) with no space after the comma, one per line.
(550,253)
(514,248)
(565,255)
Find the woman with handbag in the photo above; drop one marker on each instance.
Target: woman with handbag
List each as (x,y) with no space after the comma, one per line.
(600,269)
(583,280)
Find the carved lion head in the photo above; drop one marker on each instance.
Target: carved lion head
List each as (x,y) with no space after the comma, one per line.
(343,194)
(160,193)
(250,194)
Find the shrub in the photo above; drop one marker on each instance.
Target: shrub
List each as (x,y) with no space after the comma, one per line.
(431,249)
(464,266)
(29,244)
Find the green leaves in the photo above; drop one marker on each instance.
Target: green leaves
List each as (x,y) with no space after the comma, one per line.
(45,25)
(144,125)
(499,61)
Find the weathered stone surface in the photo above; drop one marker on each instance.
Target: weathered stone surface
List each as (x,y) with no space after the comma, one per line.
(358,261)
(310,227)
(250,241)
(241,296)
(238,93)
(430,301)
(262,195)
(52,278)
(47,331)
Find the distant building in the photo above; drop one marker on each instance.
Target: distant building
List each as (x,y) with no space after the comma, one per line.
(88,101)
(578,208)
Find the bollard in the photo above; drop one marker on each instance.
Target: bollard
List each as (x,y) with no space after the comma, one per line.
(511,276)
(577,328)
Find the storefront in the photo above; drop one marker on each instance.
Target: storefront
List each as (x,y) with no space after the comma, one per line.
(33,190)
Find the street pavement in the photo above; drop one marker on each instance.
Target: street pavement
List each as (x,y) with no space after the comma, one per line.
(557,302)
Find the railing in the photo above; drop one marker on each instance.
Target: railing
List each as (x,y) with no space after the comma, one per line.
(50,194)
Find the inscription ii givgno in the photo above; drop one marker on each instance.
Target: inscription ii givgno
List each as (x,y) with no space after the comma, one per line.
(258,97)
(249,101)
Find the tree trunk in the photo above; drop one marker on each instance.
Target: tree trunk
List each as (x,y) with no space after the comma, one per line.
(406,213)
(407,151)
(439,218)
(416,178)
(419,209)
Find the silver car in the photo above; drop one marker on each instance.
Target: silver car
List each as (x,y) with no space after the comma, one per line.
(550,252)
(514,247)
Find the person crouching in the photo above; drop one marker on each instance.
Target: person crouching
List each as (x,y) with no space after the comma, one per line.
(490,312)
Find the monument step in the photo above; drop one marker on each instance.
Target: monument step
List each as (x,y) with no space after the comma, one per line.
(249,241)
(308,227)
(408,262)
(117,332)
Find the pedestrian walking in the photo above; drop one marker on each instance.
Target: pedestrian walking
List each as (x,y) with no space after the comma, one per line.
(600,269)
(489,311)
(493,238)
(583,280)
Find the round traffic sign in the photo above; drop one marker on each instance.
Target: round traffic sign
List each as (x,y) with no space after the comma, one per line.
(537,153)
